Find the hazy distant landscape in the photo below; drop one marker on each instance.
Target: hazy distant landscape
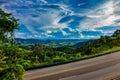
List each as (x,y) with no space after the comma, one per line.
(52,42)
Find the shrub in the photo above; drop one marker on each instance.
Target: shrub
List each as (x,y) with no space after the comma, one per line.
(59,59)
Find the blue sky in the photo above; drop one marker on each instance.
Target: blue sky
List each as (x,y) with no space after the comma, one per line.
(64,18)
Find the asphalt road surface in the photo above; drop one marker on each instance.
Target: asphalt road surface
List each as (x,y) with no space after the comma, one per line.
(105,67)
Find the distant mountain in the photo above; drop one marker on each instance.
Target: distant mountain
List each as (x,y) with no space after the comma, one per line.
(48,40)
(79,44)
(52,42)
(29,41)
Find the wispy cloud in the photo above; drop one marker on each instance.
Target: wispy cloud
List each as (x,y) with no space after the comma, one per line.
(64,18)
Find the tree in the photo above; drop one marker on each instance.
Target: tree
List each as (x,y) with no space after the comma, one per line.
(14,72)
(7,26)
(59,59)
(102,40)
(38,52)
(116,33)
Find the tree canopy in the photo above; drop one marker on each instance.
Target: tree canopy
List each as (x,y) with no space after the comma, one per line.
(7,25)
(11,70)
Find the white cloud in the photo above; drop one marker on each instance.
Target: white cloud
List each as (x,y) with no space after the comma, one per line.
(21,35)
(81,4)
(47,35)
(44,1)
(48,31)
(108,33)
(66,10)
(101,16)
(81,35)
(63,32)
(87,36)
(47,22)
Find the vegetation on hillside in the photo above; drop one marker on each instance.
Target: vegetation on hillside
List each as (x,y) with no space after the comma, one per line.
(9,52)
(14,58)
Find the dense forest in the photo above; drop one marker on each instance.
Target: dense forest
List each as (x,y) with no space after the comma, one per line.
(14,58)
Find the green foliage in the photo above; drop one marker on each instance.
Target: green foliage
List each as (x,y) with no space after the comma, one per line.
(48,60)
(7,26)
(66,49)
(59,59)
(102,44)
(24,63)
(14,72)
(12,60)
(10,53)
(41,53)
(116,33)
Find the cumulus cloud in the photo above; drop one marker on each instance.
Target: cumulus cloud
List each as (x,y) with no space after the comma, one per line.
(44,1)
(104,15)
(101,16)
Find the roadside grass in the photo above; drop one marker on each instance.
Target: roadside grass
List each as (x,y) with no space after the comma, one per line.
(1,69)
(108,51)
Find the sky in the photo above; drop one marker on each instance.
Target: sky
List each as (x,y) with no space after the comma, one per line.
(71,19)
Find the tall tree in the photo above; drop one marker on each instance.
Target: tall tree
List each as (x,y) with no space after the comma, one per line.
(7,26)
(117,33)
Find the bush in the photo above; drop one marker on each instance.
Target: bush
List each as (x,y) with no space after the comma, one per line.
(48,59)
(24,63)
(59,59)
(14,72)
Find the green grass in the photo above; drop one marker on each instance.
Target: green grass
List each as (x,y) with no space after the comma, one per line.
(1,69)
(102,52)
(110,50)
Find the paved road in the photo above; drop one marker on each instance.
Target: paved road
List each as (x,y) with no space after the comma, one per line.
(104,67)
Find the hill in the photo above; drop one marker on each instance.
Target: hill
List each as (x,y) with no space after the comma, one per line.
(51,42)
